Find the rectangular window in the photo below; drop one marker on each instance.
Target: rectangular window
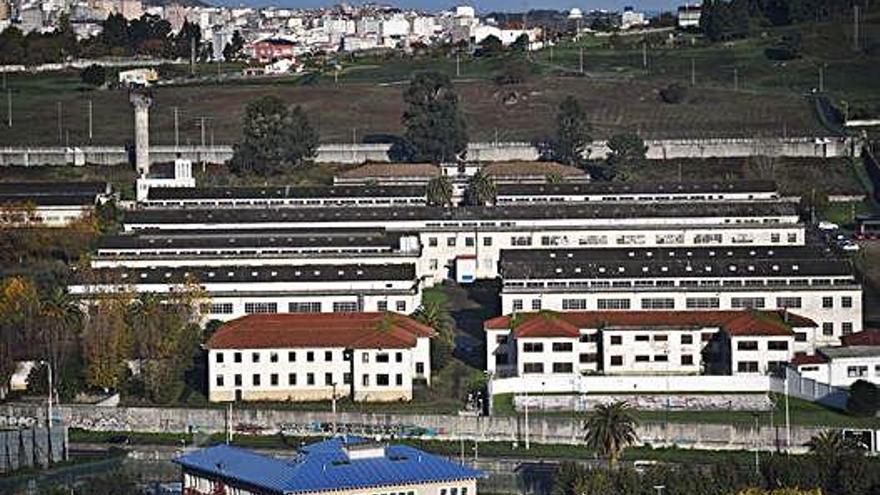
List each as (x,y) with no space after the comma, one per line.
(433,264)
(236,357)
(827,302)
(536,304)
(346,378)
(382,305)
(291,356)
(800,336)
(310,378)
(588,357)
(365,380)
(273,379)
(846,328)
(828,328)
(856,371)
(846,302)
(219,380)
(574,304)
(345,307)
(533,367)
(643,359)
(747,345)
(304,307)
(218,359)
(521,241)
(328,356)
(517,305)
(237,380)
(432,241)
(777,345)
(400,306)
(533,347)
(310,356)
(562,367)
(255,357)
(643,338)
(328,379)
(774,238)
(661,358)
(788,302)
(469,241)
(398,379)
(687,339)
(398,357)
(382,380)
(612,304)
(220,309)
(792,237)
(661,338)
(687,360)
(747,302)
(616,360)
(450,241)
(747,366)
(291,378)
(255,380)
(616,340)
(382,358)
(658,303)
(420,368)
(562,347)
(273,357)
(487,241)
(260,307)
(365,357)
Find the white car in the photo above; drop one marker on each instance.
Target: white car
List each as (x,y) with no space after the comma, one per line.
(825,225)
(849,246)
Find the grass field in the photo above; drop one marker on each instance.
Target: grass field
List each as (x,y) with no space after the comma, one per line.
(619,94)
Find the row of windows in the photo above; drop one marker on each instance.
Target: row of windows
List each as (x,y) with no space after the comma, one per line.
(381,380)
(451,241)
(539,347)
(752,345)
(858,371)
(647,282)
(588,198)
(298,307)
(665,303)
(620,240)
(538,368)
(846,328)
(685,360)
(752,366)
(329,356)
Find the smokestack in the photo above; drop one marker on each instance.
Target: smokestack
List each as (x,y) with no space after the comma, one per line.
(141,102)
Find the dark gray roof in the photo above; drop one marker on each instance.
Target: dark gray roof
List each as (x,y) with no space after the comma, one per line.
(249,274)
(471,213)
(49,199)
(743,186)
(160,239)
(284,192)
(52,188)
(617,264)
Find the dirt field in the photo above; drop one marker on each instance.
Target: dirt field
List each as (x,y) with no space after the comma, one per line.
(351,111)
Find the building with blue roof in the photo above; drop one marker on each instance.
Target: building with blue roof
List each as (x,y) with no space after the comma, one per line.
(340,465)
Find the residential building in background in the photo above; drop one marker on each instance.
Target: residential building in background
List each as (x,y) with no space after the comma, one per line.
(370,357)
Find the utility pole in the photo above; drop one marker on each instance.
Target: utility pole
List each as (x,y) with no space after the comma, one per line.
(693,72)
(822,78)
(856,28)
(457,64)
(645,54)
(192,56)
(176,130)
(90,121)
(735,79)
(582,60)
(8,106)
(527,422)
(60,130)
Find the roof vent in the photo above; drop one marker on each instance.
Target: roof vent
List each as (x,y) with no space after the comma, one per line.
(558,270)
(795,267)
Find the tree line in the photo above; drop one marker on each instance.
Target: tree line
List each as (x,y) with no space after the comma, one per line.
(728,19)
(144,346)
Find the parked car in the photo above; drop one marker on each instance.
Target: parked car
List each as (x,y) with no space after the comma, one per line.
(848,246)
(826,225)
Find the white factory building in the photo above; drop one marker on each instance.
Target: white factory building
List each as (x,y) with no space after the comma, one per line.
(50,204)
(809,281)
(374,356)
(858,358)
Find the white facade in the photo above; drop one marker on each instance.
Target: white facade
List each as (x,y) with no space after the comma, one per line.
(843,366)
(648,351)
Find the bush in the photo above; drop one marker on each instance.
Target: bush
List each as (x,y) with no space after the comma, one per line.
(673,94)
(780,53)
(94,75)
(864,399)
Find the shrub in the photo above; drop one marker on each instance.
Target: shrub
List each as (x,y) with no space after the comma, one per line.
(864,399)
(673,94)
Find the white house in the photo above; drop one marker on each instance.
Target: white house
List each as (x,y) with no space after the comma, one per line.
(640,343)
(49,204)
(372,356)
(813,282)
(689,16)
(138,77)
(857,359)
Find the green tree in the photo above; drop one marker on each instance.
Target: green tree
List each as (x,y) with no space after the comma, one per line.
(611,428)
(115,32)
(521,43)
(435,129)
(12,46)
(233,49)
(436,316)
(94,75)
(58,335)
(19,319)
(626,151)
(572,132)
(491,45)
(275,138)
(439,191)
(481,189)
(189,35)
(106,342)
(864,399)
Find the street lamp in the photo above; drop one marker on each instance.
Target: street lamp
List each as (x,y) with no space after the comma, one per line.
(659,489)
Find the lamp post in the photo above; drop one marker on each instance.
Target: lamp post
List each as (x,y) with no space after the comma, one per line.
(49,411)
(333,407)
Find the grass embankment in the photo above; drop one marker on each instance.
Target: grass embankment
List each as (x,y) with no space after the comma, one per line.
(536,451)
(802,413)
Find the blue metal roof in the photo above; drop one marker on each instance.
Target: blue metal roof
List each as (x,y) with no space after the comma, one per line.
(325,466)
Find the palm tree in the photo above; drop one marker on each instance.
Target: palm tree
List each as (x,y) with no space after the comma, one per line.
(439,191)
(61,319)
(481,189)
(434,315)
(610,429)
(830,446)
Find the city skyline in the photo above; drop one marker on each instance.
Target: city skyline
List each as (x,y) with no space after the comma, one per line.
(482,6)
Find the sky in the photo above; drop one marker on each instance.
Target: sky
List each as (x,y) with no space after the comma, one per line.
(481,5)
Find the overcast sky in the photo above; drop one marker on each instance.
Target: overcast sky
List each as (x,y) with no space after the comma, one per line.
(481,5)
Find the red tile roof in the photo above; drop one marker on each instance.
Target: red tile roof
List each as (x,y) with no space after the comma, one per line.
(290,330)
(801,359)
(867,337)
(736,323)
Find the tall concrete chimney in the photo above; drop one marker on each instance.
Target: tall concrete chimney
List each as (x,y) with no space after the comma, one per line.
(141,102)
